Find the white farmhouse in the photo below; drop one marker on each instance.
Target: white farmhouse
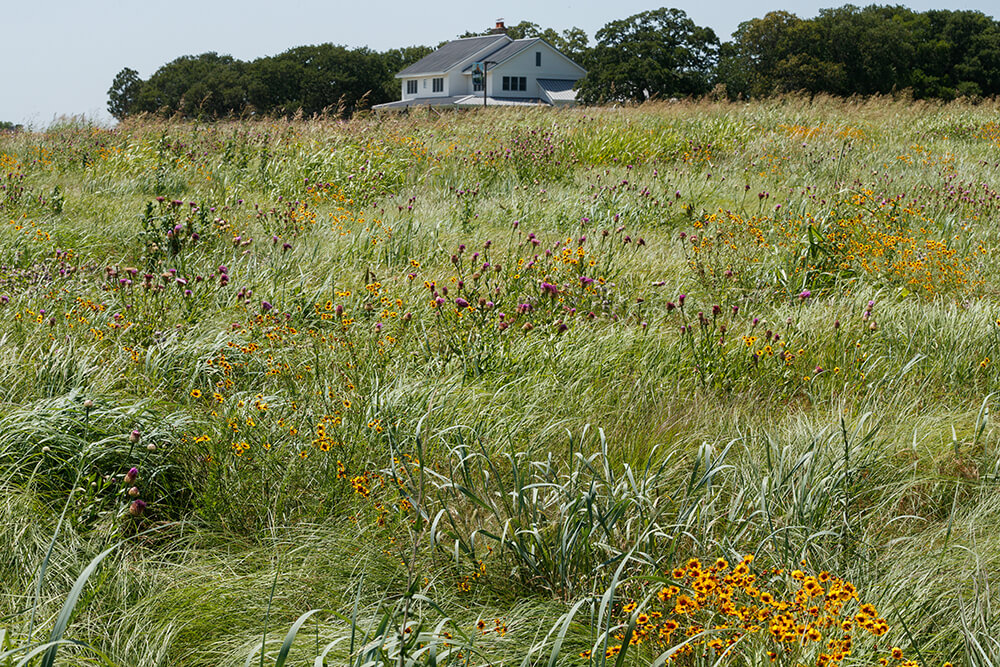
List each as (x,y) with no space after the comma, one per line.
(518,72)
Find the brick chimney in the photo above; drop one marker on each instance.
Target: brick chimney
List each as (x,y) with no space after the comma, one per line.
(500,28)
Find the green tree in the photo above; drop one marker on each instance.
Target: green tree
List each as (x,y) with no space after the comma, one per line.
(207,85)
(748,64)
(872,46)
(875,50)
(524,30)
(958,55)
(574,43)
(323,77)
(124,93)
(654,54)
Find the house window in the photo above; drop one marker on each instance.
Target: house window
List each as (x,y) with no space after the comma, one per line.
(438,85)
(515,83)
(538,58)
(411,87)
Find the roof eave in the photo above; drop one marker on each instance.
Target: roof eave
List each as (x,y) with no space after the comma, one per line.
(416,74)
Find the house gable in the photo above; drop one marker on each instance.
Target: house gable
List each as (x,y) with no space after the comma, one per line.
(534,66)
(516,50)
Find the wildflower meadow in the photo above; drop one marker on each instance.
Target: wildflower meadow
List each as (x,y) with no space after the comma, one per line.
(693,384)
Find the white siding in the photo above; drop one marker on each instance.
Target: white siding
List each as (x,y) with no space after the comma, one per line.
(425,87)
(554,66)
(458,83)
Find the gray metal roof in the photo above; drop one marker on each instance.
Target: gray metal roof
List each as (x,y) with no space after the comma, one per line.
(558,89)
(507,51)
(452,54)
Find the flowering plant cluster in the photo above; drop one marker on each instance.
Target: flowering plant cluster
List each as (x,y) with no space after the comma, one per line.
(789,616)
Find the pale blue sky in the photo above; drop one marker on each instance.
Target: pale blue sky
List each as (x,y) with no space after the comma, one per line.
(59,56)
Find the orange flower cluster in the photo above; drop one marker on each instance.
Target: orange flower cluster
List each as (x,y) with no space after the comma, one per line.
(710,610)
(880,238)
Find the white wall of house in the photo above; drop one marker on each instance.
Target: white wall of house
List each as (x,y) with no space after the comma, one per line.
(425,86)
(553,66)
(458,83)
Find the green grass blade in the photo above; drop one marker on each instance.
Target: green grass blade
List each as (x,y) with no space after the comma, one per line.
(67,609)
(286,646)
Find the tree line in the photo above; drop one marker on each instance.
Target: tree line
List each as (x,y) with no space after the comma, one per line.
(310,79)
(654,54)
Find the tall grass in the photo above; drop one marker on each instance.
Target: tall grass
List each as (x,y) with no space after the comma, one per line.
(474,388)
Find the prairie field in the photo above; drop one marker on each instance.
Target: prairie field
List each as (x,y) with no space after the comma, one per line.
(698,383)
